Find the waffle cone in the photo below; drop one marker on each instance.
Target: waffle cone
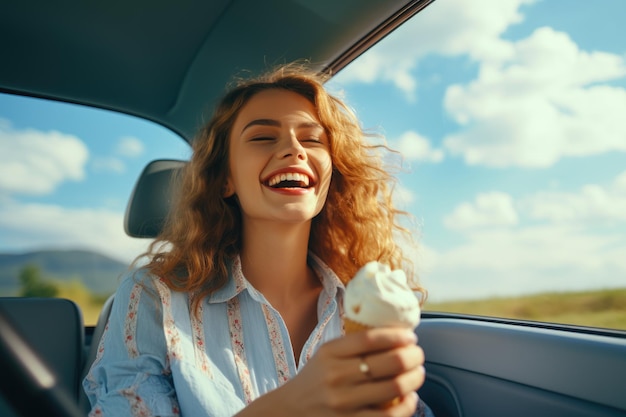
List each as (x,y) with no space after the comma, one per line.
(350,326)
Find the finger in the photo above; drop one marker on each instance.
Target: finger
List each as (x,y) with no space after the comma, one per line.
(410,381)
(401,385)
(381,365)
(369,341)
(378,392)
(372,365)
(389,363)
(407,405)
(404,407)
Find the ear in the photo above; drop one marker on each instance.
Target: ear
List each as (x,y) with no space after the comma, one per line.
(228,190)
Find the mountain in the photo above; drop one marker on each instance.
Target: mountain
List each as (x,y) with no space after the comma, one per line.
(97,272)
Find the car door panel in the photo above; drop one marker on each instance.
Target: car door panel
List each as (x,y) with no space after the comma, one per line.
(484,368)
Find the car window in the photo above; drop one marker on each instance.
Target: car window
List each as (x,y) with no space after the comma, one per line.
(509,115)
(66,174)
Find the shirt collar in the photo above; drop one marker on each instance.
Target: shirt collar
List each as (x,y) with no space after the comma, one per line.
(331,282)
(237,282)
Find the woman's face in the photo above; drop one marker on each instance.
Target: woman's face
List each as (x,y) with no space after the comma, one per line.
(280,164)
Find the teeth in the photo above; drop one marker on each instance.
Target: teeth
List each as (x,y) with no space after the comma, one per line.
(289,176)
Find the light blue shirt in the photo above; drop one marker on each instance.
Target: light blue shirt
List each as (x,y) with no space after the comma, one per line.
(157,359)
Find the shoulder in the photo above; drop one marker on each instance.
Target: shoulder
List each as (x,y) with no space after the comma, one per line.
(140,288)
(142,279)
(134,281)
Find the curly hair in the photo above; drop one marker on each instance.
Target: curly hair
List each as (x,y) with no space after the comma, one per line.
(357,224)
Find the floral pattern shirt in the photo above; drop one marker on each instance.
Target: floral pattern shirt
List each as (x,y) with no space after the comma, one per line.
(156,358)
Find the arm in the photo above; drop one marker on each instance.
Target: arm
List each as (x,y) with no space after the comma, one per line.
(131,371)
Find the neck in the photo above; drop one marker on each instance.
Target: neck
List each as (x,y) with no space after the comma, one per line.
(274,260)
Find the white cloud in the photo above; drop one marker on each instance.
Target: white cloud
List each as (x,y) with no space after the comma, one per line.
(127,147)
(620,183)
(504,262)
(565,251)
(414,146)
(488,210)
(130,146)
(534,102)
(426,260)
(533,109)
(451,27)
(594,203)
(403,197)
(36,226)
(374,66)
(36,162)
(109,164)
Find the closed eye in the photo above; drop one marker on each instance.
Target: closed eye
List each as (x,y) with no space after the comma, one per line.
(311,140)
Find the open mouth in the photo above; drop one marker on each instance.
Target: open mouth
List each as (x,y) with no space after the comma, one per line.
(289,180)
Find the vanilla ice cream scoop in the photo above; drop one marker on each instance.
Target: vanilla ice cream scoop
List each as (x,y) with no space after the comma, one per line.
(378,296)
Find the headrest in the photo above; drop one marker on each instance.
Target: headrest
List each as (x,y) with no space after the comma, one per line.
(151,199)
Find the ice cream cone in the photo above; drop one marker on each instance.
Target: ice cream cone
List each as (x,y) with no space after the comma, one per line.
(380,297)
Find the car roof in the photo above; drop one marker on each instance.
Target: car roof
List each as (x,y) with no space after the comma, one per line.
(169,61)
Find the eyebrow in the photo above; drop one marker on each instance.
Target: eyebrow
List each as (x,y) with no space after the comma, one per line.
(276,123)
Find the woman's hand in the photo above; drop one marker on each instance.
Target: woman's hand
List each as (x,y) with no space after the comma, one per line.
(356,374)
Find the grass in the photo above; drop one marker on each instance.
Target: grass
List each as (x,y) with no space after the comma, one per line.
(603,308)
(89,303)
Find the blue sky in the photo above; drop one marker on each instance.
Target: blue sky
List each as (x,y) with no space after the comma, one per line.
(509,114)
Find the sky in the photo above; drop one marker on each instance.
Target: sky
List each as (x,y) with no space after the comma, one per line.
(509,115)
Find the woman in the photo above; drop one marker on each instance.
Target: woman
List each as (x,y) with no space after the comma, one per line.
(238,311)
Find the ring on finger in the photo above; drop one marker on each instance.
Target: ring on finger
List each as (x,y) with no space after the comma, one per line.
(365,368)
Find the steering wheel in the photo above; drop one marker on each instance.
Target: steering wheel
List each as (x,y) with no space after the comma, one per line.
(27,383)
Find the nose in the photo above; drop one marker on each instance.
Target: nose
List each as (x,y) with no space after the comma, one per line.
(291,147)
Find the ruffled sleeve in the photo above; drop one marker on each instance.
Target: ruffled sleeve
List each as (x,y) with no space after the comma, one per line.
(131,374)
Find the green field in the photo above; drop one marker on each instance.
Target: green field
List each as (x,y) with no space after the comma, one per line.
(604,308)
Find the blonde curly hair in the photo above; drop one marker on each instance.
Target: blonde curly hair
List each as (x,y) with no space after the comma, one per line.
(357,224)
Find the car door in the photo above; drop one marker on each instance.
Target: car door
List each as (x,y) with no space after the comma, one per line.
(480,367)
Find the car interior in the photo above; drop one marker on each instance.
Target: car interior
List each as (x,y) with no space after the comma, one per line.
(131,57)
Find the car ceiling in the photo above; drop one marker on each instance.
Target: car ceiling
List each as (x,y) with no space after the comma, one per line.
(167,61)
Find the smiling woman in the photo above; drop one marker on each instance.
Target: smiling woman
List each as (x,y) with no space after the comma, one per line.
(245,262)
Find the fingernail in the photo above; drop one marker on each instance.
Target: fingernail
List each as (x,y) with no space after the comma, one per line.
(411,336)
